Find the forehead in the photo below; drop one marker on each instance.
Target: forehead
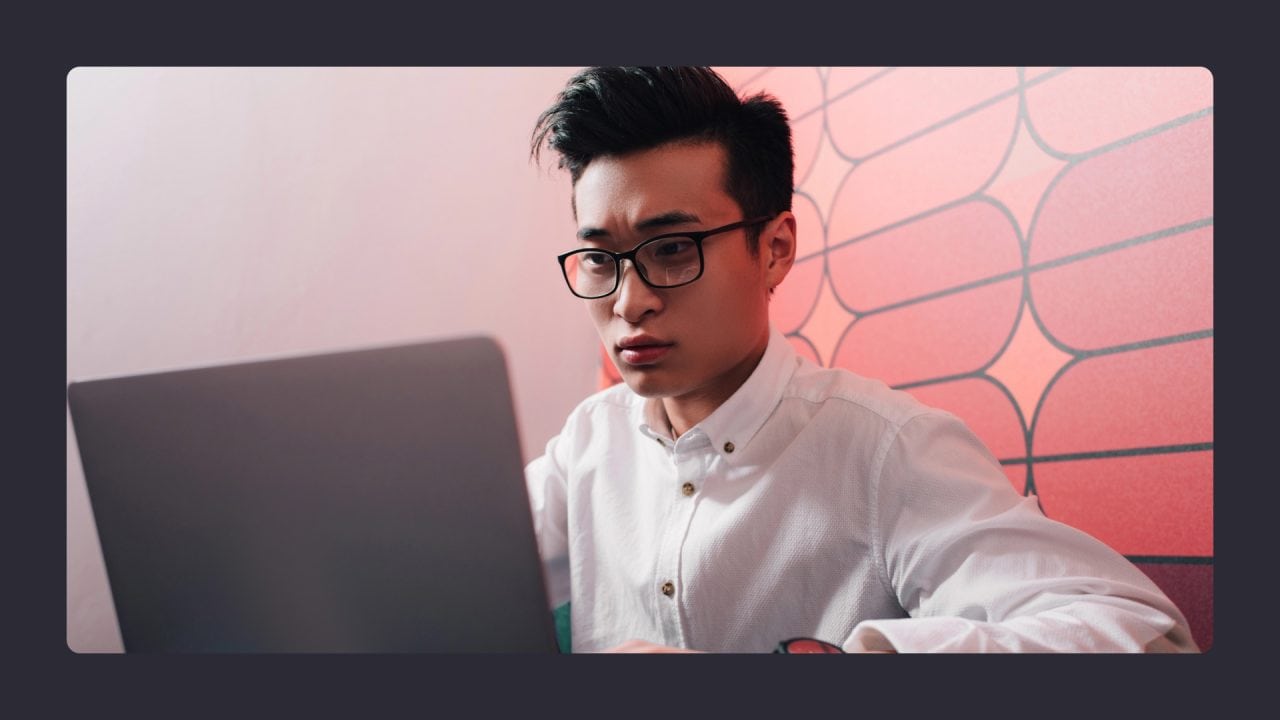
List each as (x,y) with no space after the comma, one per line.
(617,191)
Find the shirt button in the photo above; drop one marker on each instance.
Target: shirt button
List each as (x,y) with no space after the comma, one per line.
(668,589)
(687,489)
(728,447)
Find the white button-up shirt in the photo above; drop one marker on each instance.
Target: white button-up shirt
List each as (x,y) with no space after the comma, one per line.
(817,503)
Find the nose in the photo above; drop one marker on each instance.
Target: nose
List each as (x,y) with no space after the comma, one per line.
(634,299)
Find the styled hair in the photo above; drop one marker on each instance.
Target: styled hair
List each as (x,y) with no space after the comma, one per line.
(606,111)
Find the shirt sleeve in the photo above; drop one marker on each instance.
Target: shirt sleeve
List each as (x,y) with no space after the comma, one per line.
(979,568)
(545,477)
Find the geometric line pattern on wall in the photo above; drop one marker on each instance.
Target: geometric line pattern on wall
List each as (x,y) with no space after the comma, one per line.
(1030,249)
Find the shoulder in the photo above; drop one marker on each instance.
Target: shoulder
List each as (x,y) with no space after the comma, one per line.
(603,408)
(599,420)
(617,398)
(845,394)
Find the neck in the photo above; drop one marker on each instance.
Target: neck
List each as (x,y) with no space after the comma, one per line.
(685,411)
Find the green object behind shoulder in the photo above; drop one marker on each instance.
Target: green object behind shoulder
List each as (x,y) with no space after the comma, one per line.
(563,635)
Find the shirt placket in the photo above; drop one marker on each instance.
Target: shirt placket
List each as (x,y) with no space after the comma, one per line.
(690,458)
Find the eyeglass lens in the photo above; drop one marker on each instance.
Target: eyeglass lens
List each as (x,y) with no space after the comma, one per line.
(668,262)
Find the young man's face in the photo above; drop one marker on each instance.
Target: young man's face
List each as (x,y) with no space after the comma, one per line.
(696,341)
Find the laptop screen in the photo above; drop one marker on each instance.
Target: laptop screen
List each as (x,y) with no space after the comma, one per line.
(363,501)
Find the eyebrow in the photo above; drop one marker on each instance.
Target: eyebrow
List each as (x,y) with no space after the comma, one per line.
(667,219)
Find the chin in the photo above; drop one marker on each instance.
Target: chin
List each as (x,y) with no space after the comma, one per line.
(646,385)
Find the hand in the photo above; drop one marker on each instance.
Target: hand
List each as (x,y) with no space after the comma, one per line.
(643,646)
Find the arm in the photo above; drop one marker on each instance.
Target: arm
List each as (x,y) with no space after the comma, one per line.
(545,478)
(980,568)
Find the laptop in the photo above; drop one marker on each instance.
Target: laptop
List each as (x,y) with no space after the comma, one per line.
(369,501)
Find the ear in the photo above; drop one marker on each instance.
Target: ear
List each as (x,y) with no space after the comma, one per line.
(778,248)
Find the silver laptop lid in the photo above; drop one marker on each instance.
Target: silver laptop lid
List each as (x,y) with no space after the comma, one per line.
(366,501)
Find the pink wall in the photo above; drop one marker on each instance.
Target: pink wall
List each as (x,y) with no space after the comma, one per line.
(1032,249)
(223,214)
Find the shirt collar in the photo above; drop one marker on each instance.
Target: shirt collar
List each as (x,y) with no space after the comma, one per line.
(654,423)
(732,425)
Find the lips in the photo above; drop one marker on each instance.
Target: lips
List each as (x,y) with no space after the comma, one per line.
(642,349)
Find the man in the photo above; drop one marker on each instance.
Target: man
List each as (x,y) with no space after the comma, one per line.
(730,495)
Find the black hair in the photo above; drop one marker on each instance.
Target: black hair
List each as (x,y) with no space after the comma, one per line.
(618,110)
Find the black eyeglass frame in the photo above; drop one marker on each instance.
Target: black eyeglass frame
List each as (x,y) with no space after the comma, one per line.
(697,236)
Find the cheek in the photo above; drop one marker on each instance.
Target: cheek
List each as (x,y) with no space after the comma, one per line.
(600,312)
(729,302)
(719,318)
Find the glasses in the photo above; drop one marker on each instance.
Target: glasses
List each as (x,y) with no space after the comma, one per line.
(666,261)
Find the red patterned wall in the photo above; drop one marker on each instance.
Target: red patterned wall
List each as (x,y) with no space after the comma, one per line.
(1031,249)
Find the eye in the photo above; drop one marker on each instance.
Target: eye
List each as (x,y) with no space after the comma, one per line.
(672,248)
(595,259)
(596,263)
